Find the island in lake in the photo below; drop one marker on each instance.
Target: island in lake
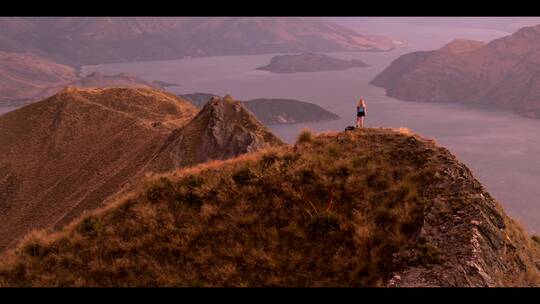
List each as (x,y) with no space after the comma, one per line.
(309,63)
(274,111)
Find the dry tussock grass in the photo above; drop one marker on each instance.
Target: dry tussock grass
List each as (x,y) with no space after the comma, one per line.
(333,211)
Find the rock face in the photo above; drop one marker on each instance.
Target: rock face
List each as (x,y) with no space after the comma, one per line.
(369,207)
(309,63)
(222,129)
(94,40)
(77,149)
(274,111)
(478,245)
(501,73)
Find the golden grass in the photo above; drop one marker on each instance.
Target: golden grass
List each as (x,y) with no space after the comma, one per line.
(333,211)
(305,136)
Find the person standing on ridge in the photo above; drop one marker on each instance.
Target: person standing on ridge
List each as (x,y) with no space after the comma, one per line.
(360,113)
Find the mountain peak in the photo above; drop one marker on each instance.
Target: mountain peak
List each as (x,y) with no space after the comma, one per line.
(222,129)
(228,98)
(534,30)
(69,152)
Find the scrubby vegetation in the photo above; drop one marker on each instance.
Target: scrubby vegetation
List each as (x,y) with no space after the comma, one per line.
(305,136)
(338,210)
(331,213)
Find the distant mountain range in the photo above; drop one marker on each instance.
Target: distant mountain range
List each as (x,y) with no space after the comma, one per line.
(121,80)
(504,73)
(309,62)
(381,24)
(25,77)
(92,40)
(274,111)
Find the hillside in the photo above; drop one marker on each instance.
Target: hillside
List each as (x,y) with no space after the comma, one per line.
(309,63)
(274,111)
(27,76)
(501,73)
(372,207)
(222,129)
(93,40)
(72,151)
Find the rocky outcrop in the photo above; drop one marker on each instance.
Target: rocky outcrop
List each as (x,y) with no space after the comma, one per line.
(309,63)
(222,129)
(467,236)
(502,73)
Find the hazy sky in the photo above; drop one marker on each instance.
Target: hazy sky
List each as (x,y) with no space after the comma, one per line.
(424,33)
(507,24)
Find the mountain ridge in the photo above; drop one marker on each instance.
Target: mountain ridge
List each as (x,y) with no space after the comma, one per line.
(26,78)
(72,151)
(93,40)
(411,215)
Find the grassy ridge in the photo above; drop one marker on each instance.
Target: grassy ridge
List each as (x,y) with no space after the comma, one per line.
(333,210)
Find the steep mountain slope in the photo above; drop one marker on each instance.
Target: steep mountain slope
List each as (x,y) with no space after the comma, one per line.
(221,130)
(26,76)
(371,207)
(72,151)
(502,73)
(90,40)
